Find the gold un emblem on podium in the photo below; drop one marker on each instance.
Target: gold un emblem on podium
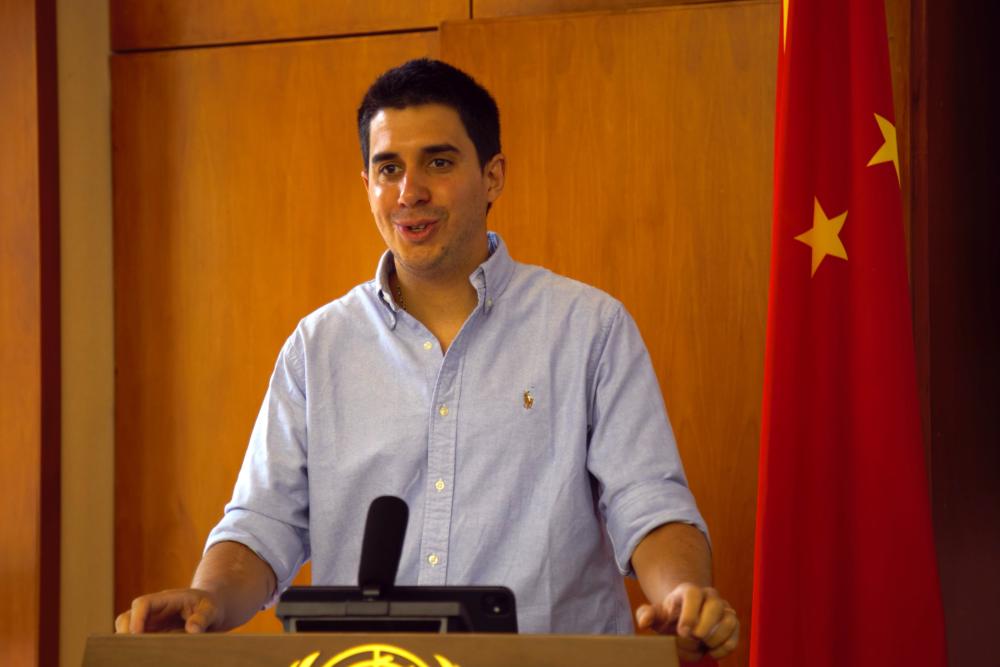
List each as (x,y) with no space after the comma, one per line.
(372,655)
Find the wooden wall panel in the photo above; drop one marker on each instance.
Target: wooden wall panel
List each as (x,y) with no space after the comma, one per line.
(499,8)
(238,209)
(20,407)
(639,149)
(898,18)
(29,336)
(158,24)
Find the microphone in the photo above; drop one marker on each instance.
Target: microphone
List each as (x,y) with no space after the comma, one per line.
(382,546)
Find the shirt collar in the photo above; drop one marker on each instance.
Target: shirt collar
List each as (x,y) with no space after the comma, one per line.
(490,278)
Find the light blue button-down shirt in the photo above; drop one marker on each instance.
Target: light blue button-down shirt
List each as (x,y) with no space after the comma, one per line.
(535,454)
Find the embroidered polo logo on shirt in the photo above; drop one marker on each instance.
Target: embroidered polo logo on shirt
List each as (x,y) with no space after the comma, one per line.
(372,655)
(529,399)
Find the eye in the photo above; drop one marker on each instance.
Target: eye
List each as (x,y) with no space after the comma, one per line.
(389,169)
(440,163)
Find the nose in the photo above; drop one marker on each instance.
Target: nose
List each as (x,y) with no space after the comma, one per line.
(413,191)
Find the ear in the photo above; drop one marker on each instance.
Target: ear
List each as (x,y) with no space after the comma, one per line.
(364,177)
(495,173)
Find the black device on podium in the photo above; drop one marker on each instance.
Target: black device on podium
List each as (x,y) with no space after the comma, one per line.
(376,604)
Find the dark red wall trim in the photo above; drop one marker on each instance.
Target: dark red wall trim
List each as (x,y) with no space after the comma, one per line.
(51,399)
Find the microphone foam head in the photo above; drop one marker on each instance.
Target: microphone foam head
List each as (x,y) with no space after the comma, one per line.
(382,547)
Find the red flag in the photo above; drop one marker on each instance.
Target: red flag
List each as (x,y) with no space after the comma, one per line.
(845,571)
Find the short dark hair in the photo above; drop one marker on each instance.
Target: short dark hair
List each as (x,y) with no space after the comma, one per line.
(425,81)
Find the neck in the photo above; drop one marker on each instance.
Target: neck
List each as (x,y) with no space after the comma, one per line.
(440,304)
(434,299)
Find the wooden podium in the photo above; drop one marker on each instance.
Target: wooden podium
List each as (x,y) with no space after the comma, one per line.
(377,650)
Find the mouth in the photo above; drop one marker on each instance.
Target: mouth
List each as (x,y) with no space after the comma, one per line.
(418,230)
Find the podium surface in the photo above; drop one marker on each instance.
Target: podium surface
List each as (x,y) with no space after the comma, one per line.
(378,650)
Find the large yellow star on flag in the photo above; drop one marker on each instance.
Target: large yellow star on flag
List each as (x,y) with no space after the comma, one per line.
(888,151)
(824,237)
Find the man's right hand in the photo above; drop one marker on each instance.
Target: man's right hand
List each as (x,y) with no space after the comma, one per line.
(189,610)
(229,586)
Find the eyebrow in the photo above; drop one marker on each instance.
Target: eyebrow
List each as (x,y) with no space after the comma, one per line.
(385,156)
(440,148)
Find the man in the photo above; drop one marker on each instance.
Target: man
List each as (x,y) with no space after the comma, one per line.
(514,410)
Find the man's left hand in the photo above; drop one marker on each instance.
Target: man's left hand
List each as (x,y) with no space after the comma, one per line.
(703,621)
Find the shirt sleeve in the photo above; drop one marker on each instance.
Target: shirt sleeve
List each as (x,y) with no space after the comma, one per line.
(632,452)
(269,510)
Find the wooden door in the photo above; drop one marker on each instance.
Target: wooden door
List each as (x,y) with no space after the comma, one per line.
(239,208)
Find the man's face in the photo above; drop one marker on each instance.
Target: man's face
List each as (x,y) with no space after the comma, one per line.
(427,192)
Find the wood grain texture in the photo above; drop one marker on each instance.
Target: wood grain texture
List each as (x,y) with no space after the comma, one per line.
(87,503)
(499,8)
(20,338)
(29,336)
(159,24)
(639,148)
(468,650)
(238,209)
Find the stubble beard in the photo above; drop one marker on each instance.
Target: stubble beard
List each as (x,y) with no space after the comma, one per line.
(448,261)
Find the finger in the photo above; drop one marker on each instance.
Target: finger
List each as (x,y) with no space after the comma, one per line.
(195,625)
(665,614)
(163,611)
(691,601)
(644,617)
(727,627)
(663,617)
(121,622)
(672,606)
(140,609)
(690,649)
(728,647)
(201,618)
(713,609)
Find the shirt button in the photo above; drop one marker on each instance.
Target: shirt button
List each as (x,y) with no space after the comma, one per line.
(443,411)
(428,345)
(489,303)
(439,485)
(433,560)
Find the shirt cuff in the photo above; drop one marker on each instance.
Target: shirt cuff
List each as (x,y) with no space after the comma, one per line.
(645,508)
(282,547)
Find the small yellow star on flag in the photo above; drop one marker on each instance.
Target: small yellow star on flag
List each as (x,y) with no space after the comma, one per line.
(824,237)
(888,151)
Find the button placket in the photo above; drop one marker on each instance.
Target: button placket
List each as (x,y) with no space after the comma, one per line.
(441,467)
